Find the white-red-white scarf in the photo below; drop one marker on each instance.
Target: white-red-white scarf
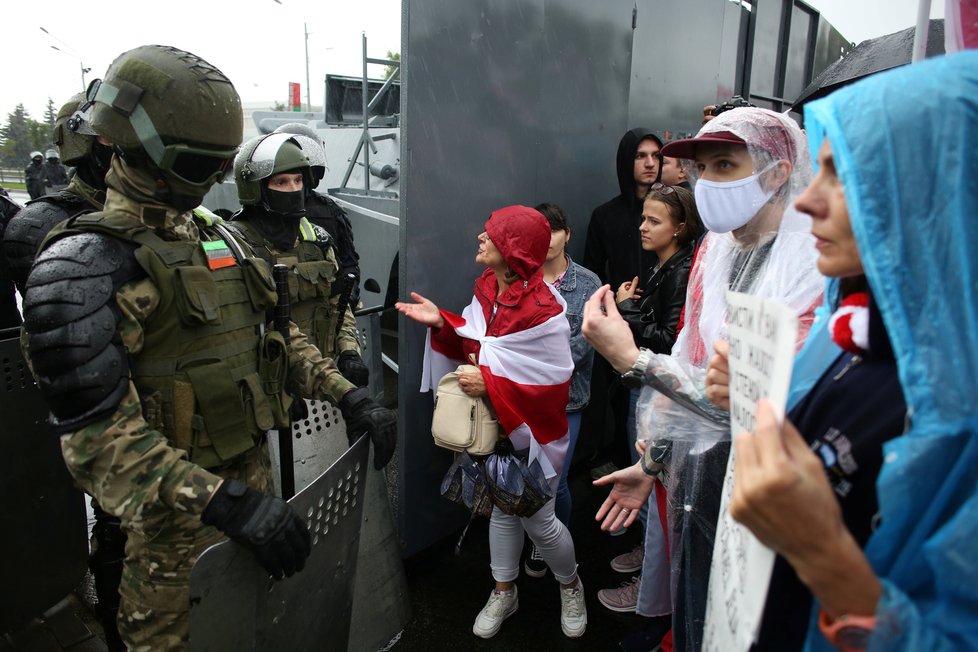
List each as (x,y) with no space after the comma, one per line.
(527,374)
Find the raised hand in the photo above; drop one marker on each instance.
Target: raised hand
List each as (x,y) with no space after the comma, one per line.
(422,311)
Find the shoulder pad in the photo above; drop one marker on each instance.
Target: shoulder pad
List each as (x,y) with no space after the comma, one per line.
(28,228)
(71,320)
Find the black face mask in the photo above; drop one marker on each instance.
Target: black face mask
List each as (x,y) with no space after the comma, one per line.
(101,157)
(287,204)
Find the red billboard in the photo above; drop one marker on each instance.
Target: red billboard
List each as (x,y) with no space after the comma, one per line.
(295,103)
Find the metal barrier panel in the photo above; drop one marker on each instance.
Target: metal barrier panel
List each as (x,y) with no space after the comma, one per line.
(235,605)
(502,103)
(46,546)
(686,54)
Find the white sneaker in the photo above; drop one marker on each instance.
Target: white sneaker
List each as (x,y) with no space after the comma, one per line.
(573,612)
(501,605)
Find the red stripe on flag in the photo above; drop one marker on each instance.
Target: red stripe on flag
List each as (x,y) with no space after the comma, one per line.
(541,407)
(218,263)
(446,341)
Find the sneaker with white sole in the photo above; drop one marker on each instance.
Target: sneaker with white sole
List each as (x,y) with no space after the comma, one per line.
(629,562)
(501,605)
(534,566)
(573,612)
(623,599)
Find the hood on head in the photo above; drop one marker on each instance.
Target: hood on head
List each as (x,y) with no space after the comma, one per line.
(522,236)
(625,160)
(926,298)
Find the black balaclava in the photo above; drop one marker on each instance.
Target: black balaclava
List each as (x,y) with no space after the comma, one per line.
(93,167)
(278,217)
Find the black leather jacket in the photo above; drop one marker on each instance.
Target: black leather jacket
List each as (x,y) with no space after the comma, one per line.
(654,316)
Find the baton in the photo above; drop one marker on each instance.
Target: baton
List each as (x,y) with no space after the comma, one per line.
(344,301)
(280,319)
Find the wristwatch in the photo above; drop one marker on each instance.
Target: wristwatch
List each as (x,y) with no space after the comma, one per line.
(632,379)
(847,633)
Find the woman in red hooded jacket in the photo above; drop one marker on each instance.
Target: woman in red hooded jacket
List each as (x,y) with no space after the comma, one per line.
(516,331)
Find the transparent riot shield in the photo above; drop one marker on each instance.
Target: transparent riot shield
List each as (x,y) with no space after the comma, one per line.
(235,605)
(46,541)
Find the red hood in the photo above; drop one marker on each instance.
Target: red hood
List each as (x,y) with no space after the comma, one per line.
(522,236)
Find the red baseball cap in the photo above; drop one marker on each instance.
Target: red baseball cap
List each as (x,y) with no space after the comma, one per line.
(686,148)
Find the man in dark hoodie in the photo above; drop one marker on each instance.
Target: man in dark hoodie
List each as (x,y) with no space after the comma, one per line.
(613,251)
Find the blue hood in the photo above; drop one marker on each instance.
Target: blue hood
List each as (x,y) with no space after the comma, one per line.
(905,145)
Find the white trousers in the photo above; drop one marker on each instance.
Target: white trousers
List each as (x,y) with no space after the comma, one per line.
(552,539)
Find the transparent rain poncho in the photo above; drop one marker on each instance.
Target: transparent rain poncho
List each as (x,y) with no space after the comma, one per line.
(773,257)
(905,145)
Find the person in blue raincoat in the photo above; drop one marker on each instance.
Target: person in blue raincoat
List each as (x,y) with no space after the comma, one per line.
(902,149)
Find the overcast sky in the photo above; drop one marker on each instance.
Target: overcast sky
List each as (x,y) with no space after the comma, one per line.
(259,43)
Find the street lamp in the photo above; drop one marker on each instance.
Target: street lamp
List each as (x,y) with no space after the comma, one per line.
(305,36)
(74,55)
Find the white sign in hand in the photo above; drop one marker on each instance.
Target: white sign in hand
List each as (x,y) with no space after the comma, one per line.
(762,349)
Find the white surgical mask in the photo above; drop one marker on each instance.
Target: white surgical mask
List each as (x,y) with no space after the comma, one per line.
(728,205)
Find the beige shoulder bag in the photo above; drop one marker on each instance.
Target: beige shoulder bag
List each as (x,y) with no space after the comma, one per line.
(461,422)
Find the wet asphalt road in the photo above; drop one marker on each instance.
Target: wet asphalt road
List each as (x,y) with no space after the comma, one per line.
(447,592)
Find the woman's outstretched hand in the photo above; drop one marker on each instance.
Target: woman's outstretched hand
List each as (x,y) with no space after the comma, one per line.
(631,488)
(422,311)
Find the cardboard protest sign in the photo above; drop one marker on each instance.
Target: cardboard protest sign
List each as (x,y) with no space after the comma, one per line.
(762,349)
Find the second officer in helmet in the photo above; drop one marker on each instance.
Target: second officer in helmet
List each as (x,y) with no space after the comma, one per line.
(272,174)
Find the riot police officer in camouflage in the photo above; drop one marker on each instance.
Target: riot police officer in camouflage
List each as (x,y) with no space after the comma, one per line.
(271,174)
(80,148)
(148,336)
(323,212)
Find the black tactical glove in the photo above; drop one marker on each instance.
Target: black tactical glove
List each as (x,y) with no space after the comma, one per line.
(351,366)
(264,524)
(362,413)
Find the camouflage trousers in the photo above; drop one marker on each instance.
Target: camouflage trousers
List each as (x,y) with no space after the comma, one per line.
(155,589)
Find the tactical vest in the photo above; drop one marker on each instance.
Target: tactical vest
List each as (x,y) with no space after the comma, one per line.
(313,271)
(209,376)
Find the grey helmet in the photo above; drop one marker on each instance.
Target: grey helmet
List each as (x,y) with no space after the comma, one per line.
(172,113)
(312,144)
(52,154)
(263,157)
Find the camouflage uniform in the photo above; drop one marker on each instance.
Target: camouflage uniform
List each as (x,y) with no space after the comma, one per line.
(143,475)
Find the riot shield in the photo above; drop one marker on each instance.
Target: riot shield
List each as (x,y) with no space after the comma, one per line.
(317,441)
(46,545)
(235,605)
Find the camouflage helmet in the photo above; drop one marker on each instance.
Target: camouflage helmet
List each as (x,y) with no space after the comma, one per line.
(315,149)
(263,157)
(73,133)
(173,108)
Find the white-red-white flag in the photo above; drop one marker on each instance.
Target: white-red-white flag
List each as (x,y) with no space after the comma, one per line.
(527,374)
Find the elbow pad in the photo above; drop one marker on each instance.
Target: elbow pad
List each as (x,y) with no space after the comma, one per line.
(72,320)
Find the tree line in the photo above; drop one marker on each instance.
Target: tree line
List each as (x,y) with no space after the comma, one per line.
(21,134)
